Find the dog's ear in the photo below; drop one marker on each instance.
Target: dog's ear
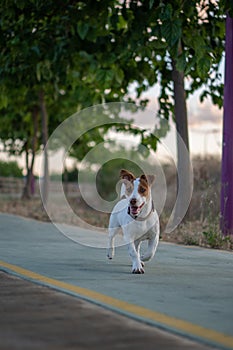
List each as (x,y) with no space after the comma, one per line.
(150,179)
(126,175)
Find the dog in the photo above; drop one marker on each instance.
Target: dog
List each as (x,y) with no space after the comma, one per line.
(136,216)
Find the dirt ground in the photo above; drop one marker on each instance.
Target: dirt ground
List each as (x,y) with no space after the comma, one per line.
(200,226)
(189,232)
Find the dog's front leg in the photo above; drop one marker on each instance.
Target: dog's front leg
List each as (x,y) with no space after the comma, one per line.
(111,248)
(137,266)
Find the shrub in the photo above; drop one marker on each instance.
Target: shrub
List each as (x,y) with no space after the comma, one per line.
(10,168)
(70,175)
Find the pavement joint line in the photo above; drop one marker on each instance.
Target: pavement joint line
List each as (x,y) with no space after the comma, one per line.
(149,316)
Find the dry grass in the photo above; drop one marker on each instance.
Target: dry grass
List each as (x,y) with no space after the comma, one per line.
(200,227)
(201,224)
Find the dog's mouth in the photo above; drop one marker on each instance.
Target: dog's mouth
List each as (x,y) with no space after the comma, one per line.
(135,210)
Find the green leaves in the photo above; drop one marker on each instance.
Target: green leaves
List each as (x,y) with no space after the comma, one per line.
(88,51)
(170,24)
(181,62)
(108,77)
(44,71)
(151,3)
(119,75)
(148,142)
(203,67)
(122,23)
(162,129)
(171,31)
(104,76)
(3,100)
(82,29)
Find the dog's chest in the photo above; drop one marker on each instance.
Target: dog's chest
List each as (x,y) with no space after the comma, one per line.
(136,229)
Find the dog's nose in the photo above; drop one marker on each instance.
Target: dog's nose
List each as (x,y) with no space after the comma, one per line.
(133,201)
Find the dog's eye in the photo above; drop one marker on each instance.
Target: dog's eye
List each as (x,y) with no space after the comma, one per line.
(142,190)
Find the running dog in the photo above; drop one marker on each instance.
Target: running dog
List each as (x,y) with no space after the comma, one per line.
(136,216)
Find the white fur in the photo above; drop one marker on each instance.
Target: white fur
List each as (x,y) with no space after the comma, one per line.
(135,231)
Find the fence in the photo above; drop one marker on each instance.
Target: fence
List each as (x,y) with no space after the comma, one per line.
(13,187)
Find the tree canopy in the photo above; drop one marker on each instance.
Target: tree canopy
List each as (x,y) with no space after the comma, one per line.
(76,54)
(92,52)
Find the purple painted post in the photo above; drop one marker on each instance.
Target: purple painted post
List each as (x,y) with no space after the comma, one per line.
(227,149)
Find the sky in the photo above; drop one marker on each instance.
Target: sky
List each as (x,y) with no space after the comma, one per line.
(204,120)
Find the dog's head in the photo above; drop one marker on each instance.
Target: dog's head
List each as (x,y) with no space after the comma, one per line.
(137,190)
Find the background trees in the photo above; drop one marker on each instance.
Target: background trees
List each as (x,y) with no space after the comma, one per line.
(180,44)
(58,57)
(43,49)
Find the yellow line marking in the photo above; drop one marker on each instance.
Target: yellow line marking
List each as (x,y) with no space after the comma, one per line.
(178,324)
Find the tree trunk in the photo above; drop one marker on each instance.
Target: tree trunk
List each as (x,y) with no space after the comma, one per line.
(34,147)
(227,148)
(26,189)
(184,180)
(44,116)
(29,185)
(180,107)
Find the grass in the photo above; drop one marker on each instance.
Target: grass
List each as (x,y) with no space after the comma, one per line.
(201,225)
(199,228)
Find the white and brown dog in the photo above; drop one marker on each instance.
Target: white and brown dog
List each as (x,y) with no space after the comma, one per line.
(136,216)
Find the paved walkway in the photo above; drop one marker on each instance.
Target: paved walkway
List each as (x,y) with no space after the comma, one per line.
(185,290)
(35,317)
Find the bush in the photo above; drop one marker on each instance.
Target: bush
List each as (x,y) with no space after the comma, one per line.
(10,169)
(70,175)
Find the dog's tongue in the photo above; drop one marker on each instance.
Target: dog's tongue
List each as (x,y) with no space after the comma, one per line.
(134,210)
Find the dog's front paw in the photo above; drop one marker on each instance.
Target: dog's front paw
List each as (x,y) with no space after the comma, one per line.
(138,271)
(110,253)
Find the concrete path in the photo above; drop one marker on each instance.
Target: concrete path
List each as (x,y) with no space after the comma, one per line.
(188,291)
(40,318)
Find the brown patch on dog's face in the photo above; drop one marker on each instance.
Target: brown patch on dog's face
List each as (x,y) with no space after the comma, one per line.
(148,178)
(145,183)
(127,175)
(128,179)
(143,188)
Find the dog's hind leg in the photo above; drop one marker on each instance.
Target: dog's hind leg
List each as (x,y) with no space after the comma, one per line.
(152,246)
